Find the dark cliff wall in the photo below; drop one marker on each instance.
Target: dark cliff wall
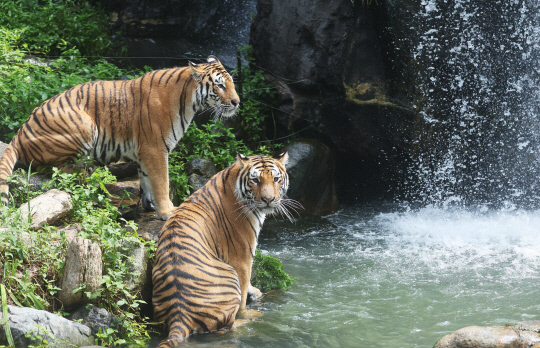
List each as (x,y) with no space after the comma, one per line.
(336,75)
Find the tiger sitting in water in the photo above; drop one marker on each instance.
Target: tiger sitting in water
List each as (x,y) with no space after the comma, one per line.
(139,120)
(202,271)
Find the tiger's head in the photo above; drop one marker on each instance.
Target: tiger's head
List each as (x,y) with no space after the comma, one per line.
(262,184)
(215,88)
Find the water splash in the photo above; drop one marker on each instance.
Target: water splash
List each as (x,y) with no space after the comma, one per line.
(478,101)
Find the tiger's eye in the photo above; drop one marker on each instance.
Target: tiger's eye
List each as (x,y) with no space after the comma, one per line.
(255,180)
(276,179)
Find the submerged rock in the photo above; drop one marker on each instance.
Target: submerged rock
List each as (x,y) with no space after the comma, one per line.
(520,335)
(58,331)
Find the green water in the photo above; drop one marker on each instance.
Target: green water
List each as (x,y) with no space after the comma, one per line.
(375,277)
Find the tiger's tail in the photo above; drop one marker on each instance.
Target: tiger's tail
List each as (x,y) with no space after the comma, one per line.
(7,163)
(177,334)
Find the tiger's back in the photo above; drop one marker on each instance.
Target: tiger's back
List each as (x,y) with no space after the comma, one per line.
(205,251)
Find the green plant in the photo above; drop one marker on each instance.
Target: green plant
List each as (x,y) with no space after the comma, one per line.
(268,274)
(54,26)
(212,141)
(5,321)
(258,98)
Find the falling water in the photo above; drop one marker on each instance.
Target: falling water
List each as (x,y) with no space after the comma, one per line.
(478,101)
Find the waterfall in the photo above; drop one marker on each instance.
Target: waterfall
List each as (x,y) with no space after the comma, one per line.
(477,97)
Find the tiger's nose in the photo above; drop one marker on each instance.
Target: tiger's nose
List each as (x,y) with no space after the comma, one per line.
(235,102)
(267,200)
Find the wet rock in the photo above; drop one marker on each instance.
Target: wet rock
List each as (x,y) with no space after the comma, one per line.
(327,61)
(94,317)
(83,267)
(311,177)
(516,335)
(58,331)
(48,208)
(149,226)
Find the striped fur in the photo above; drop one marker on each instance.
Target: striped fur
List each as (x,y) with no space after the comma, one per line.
(203,261)
(138,120)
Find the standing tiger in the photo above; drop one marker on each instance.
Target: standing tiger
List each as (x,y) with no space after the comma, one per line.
(139,120)
(203,261)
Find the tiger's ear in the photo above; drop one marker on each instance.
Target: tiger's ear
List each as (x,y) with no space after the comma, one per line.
(284,158)
(195,71)
(212,59)
(242,160)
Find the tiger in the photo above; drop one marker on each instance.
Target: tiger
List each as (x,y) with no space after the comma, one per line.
(202,271)
(138,120)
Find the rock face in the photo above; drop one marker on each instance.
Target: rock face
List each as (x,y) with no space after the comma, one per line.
(58,331)
(311,177)
(519,335)
(48,207)
(83,267)
(332,79)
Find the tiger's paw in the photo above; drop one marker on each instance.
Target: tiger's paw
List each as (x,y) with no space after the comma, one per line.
(253,294)
(248,314)
(166,211)
(165,215)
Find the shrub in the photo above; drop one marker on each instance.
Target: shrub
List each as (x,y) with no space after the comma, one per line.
(268,274)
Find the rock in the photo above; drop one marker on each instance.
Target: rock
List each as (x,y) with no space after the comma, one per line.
(139,277)
(124,170)
(201,166)
(83,266)
(2,148)
(95,318)
(197,181)
(517,335)
(126,196)
(48,208)
(58,331)
(311,177)
(200,170)
(326,61)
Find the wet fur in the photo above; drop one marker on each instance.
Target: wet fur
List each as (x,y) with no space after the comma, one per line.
(205,251)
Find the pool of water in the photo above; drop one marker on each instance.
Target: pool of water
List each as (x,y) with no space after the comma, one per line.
(383,276)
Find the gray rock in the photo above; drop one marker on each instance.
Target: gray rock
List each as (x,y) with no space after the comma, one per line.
(83,267)
(2,148)
(48,207)
(95,318)
(58,331)
(522,335)
(197,181)
(311,177)
(201,166)
(139,277)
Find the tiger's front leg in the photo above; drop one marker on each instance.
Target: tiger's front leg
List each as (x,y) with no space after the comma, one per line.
(154,178)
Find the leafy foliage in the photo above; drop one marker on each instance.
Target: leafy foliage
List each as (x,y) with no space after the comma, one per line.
(33,260)
(268,274)
(258,98)
(55,26)
(211,141)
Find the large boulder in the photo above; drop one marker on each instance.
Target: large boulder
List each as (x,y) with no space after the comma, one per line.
(47,208)
(58,331)
(311,177)
(518,335)
(82,269)
(200,170)
(333,80)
